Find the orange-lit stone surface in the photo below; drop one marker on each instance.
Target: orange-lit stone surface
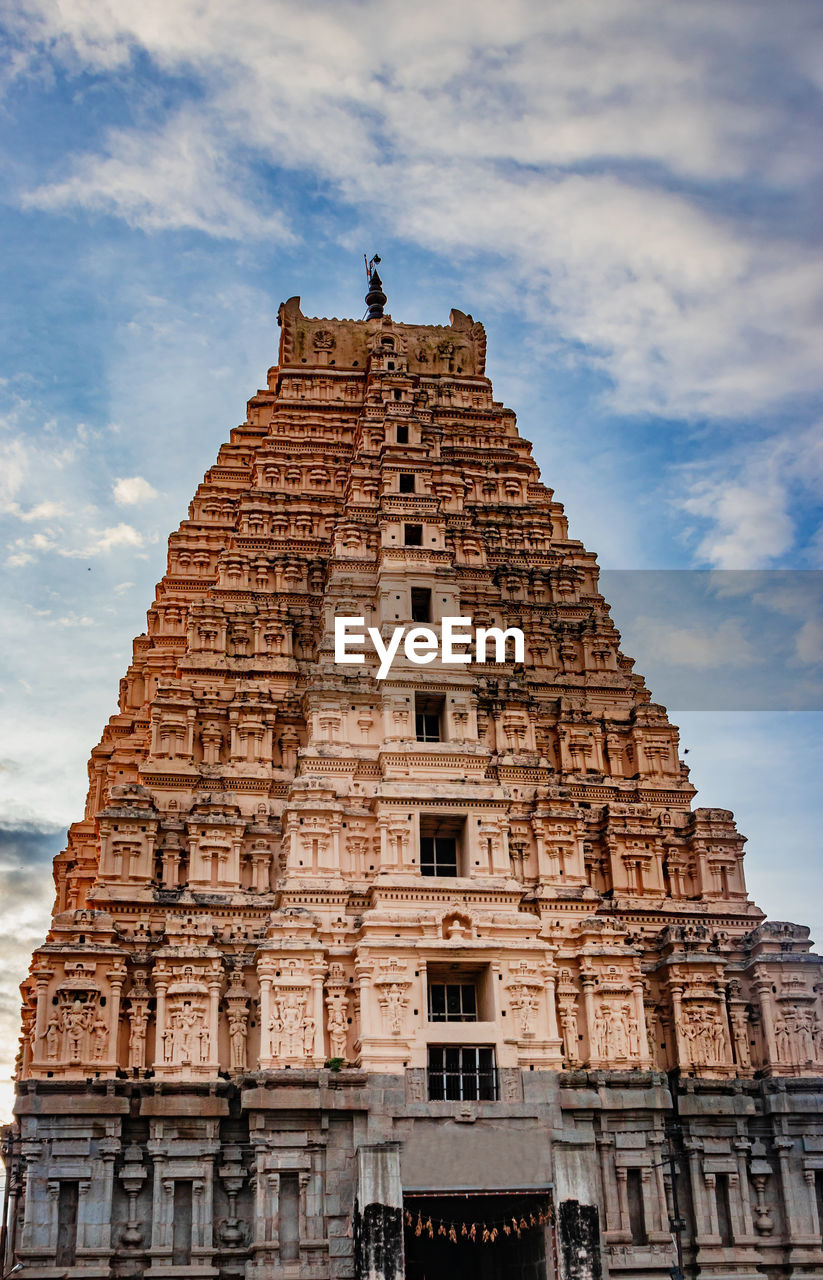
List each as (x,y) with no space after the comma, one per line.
(249,889)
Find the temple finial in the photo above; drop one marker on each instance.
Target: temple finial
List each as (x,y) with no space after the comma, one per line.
(375,297)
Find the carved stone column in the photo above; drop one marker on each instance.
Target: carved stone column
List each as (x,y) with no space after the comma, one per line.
(161,984)
(265,1017)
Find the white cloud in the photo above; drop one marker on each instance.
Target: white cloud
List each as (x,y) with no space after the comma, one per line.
(747,498)
(749,525)
(47,510)
(73,620)
(164,182)
(809,642)
(120,535)
(13,466)
(130,491)
(101,541)
(700,648)
(560,138)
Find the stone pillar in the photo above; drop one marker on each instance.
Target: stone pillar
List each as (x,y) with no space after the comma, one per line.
(588,1009)
(265,1017)
(623,1201)
(763,989)
(710,1181)
(214,1013)
(42,1016)
(814,1216)
(423,970)
(742,1146)
(682,1056)
(378,1214)
(783,1146)
(171,860)
(605,1144)
(161,983)
(116,979)
(640,1019)
(551,1005)
(699,1199)
(318,1051)
(661,1217)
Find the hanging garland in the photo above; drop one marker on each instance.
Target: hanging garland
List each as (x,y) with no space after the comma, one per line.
(477,1232)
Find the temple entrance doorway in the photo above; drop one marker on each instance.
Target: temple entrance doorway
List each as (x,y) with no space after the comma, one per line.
(478,1237)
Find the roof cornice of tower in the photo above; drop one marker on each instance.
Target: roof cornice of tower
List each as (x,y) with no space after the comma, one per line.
(456,348)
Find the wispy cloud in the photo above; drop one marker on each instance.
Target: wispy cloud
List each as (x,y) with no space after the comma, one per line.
(595,152)
(131,491)
(748,503)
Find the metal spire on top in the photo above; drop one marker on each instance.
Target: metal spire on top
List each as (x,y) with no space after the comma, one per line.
(375,297)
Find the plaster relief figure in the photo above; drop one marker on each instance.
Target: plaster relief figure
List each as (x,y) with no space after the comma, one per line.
(99,1038)
(337,1027)
(740,1032)
(703,1033)
(237,1039)
(288,1026)
(394,1002)
(53,1040)
(138,1025)
(76,1022)
(186,1039)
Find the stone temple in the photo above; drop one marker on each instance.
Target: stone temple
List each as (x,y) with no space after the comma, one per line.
(438,975)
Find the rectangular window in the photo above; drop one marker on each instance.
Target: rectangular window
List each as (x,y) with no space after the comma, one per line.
(289,1224)
(459,1073)
(181,1227)
(428,717)
(67,1201)
(407,482)
(452,1002)
(413,535)
(402,433)
(440,840)
(637,1216)
(421,604)
(438,856)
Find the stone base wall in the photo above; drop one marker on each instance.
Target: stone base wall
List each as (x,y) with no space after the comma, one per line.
(312,1173)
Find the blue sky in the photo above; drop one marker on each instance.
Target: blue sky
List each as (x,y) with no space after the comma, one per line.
(626,193)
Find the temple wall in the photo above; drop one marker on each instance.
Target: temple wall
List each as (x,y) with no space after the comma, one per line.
(296,1173)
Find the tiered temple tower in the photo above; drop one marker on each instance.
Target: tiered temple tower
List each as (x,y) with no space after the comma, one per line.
(432,972)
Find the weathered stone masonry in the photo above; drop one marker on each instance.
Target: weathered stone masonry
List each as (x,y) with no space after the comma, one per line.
(329,952)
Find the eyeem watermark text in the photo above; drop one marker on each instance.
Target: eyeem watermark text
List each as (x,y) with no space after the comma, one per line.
(456,643)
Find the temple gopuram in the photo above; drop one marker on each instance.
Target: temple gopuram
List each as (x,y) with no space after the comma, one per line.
(437,972)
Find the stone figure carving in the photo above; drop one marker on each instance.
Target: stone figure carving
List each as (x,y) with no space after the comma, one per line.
(616,1034)
(52,1040)
(337,1026)
(76,1022)
(288,1026)
(796,1032)
(99,1038)
(740,1031)
(568,1030)
(308,1036)
(186,1039)
(394,1002)
(138,1025)
(703,1033)
(237,1039)
(525,1003)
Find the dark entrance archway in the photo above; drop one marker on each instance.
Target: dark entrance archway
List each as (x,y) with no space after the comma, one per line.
(468,1237)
